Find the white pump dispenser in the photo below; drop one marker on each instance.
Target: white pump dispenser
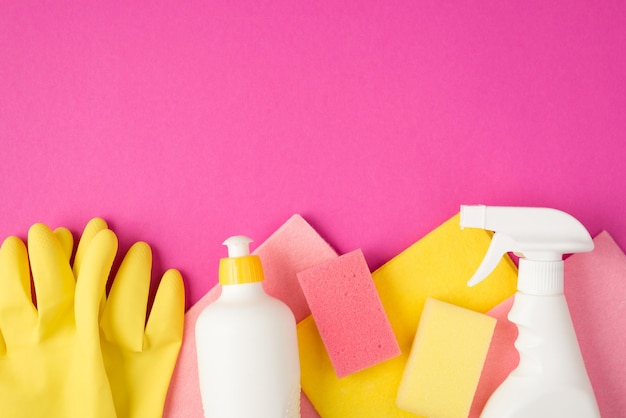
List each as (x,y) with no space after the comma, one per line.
(550,380)
(247,345)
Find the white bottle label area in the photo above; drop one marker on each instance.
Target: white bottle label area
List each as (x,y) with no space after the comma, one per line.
(248,359)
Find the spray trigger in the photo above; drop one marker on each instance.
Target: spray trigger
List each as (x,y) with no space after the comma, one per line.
(500,245)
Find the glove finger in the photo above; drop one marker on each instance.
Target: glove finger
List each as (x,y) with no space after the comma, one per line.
(18,316)
(165,325)
(124,317)
(91,282)
(91,230)
(53,279)
(66,240)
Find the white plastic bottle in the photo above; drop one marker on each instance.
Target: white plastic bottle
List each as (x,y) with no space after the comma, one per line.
(550,380)
(247,345)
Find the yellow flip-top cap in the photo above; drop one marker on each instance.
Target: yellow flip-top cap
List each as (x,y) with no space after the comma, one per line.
(239,270)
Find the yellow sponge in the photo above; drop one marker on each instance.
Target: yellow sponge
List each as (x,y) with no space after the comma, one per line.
(446,360)
(436,266)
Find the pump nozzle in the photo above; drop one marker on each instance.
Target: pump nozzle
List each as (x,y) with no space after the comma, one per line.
(240,267)
(238,246)
(537,234)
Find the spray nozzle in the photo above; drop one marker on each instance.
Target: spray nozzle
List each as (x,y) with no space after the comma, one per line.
(238,246)
(534,234)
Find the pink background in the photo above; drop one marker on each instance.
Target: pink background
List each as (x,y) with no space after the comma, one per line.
(182,123)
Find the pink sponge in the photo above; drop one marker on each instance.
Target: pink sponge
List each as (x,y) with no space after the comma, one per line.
(348,313)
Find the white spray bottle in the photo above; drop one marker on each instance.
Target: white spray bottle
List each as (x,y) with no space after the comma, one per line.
(550,380)
(247,345)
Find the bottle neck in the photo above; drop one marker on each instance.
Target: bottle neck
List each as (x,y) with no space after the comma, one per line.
(242,290)
(540,277)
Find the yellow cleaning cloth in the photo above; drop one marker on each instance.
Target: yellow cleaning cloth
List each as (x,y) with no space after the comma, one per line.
(446,360)
(437,266)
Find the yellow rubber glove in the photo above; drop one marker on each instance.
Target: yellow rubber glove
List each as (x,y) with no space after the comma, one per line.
(139,357)
(51,362)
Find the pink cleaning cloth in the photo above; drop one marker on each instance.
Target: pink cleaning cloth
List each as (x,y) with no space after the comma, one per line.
(307,410)
(349,314)
(501,359)
(293,247)
(595,289)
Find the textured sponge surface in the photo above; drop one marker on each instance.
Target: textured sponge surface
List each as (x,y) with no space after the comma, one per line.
(446,360)
(349,314)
